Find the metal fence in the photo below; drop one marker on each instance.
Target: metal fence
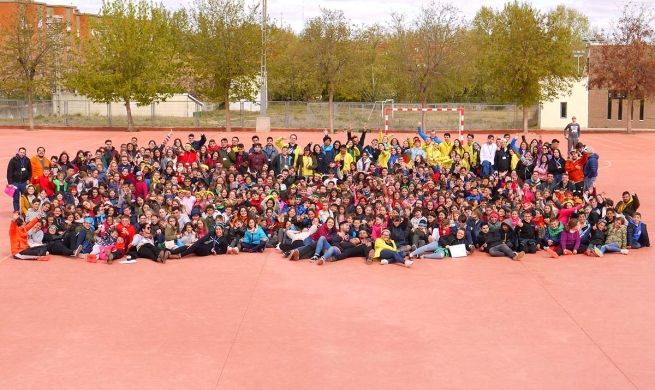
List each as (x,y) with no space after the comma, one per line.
(187,113)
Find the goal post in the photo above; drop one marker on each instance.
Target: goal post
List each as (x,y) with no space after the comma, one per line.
(388,110)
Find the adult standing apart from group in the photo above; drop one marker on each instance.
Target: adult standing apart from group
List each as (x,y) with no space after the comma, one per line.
(19,172)
(572,134)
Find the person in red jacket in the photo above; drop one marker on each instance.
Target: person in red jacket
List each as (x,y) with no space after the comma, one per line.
(575,168)
(18,239)
(44,183)
(188,156)
(125,229)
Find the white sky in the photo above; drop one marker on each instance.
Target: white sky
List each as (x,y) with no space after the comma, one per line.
(294,12)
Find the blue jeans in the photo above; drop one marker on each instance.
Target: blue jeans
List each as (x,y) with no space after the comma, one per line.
(589,182)
(487,168)
(332,251)
(636,245)
(19,191)
(431,247)
(611,247)
(393,256)
(254,247)
(322,245)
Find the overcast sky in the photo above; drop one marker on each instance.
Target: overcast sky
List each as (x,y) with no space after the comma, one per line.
(294,12)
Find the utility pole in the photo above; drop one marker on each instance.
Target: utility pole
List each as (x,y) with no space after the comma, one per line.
(263,123)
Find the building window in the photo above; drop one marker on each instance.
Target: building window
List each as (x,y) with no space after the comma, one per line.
(609,105)
(641,110)
(619,116)
(562,110)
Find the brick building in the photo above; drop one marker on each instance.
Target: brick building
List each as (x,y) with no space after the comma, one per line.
(604,108)
(77,22)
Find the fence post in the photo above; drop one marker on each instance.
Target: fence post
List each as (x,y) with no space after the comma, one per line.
(241,114)
(22,115)
(66,112)
(197,114)
(109,114)
(152,113)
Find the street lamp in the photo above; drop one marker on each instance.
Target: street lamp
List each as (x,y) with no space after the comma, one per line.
(576,53)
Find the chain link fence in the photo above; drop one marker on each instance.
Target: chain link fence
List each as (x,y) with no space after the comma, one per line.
(190,113)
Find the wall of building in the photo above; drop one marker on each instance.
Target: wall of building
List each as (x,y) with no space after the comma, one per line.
(598,110)
(577,104)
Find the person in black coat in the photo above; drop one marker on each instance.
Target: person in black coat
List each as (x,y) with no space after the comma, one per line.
(526,233)
(19,172)
(490,242)
(56,244)
(503,160)
(212,243)
(637,233)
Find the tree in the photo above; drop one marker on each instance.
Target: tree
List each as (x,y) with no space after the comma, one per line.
(286,79)
(29,46)
(425,52)
(327,53)
(625,59)
(223,47)
(131,56)
(525,56)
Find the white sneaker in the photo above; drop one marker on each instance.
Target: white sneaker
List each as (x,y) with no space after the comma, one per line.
(277,247)
(384,261)
(624,251)
(408,263)
(598,252)
(235,250)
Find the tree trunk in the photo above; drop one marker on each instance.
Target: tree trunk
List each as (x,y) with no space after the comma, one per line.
(630,110)
(331,110)
(525,120)
(228,124)
(30,108)
(424,104)
(130,121)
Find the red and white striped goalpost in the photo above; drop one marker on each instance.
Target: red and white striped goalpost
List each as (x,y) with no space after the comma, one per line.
(438,109)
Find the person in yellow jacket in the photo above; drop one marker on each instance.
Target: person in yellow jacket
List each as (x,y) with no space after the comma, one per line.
(446,145)
(386,251)
(432,153)
(294,149)
(385,155)
(306,164)
(344,159)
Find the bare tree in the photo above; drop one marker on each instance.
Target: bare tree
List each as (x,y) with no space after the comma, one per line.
(625,59)
(424,53)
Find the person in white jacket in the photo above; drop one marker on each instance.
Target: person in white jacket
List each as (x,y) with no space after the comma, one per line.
(487,156)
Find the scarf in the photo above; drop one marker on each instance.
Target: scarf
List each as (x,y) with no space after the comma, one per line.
(556,232)
(622,205)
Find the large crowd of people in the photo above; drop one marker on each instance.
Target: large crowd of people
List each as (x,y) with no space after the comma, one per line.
(370,196)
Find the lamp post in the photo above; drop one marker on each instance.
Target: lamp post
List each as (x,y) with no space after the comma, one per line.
(576,53)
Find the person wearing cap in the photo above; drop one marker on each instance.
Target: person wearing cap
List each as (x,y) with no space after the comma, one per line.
(572,133)
(492,243)
(84,236)
(387,252)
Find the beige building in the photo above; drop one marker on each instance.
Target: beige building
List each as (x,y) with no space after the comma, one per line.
(557,114)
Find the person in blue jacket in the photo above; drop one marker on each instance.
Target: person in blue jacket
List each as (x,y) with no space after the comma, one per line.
(254,240)
(590,169)
(434,137)
(637,233)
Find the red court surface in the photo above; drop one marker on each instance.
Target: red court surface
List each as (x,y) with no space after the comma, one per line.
(263,322)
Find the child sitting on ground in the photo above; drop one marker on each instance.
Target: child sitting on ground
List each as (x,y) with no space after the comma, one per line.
(552,237)
(570,239)
(597,237)
(637,233)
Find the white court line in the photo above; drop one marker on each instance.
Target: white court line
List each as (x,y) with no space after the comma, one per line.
(609,164)
(620,143)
